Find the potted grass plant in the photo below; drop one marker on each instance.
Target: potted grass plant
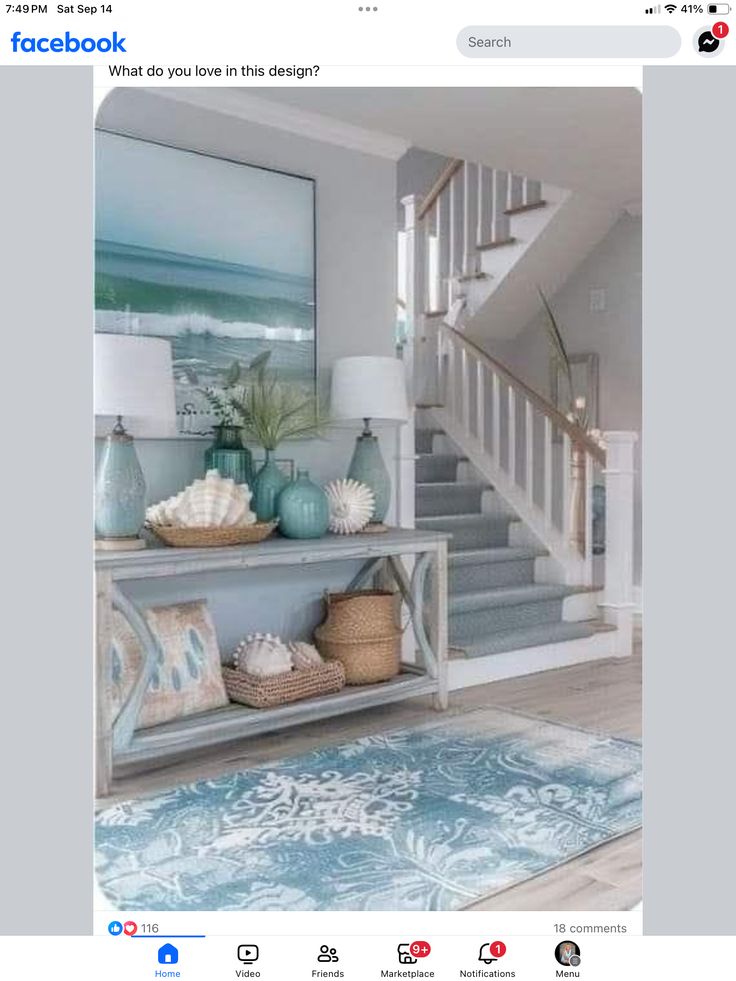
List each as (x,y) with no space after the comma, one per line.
(273,411)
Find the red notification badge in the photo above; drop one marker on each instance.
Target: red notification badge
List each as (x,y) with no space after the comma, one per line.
(420,948)
(720,29)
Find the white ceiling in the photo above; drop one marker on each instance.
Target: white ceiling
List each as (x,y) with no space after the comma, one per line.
(583,139)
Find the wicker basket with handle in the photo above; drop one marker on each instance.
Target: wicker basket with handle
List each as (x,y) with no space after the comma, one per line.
(361,632)
(279,689)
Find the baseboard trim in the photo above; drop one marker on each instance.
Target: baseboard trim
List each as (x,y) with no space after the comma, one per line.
(467,672)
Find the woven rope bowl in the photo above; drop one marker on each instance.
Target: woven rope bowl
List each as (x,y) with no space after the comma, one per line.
(280,689)
(213,537)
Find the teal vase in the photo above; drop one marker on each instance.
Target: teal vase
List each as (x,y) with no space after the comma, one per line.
(304,511)
(368,468)
(228,455)
(268,484)
(120,489)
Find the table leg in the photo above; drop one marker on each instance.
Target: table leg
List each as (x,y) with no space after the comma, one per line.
(103,709)
(438,622)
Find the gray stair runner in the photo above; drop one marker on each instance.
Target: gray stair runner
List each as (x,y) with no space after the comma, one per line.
(494,605)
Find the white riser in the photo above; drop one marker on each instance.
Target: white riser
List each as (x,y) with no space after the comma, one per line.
(466,672)
(581,606)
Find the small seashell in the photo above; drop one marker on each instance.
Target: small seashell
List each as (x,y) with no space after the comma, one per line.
(303,655)
(262,655)
(351,506)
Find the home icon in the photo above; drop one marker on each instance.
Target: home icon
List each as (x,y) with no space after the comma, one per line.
(168,954)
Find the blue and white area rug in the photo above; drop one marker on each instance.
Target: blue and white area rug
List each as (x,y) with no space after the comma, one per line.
(430,818)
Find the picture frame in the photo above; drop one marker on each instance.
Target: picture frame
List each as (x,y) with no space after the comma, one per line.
(216,255)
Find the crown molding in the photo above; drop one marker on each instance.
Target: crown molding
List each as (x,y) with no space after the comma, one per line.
(278,115)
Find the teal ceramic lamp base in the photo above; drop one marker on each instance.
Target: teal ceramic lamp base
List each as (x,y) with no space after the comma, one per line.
(368,467)
(120,491)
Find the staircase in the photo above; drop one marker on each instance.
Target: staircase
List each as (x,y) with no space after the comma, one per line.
(491,462)
(496,603)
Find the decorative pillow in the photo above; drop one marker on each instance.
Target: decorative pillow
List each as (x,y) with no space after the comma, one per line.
(188,677)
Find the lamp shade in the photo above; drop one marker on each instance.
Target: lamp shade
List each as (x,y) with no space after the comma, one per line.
(369,388)
(134,377)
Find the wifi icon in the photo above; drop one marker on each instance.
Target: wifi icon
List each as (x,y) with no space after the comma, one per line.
(670,7)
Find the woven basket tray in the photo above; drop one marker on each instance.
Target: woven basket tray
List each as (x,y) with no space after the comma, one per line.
(324,679)
(212,537)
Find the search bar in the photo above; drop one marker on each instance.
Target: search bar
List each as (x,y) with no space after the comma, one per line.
(569,42)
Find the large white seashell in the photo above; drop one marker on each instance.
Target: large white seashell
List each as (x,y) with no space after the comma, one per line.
(262,655)
(303,655)
(351,506)
(215,502)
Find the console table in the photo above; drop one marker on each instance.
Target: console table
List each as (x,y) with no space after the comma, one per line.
(119,742)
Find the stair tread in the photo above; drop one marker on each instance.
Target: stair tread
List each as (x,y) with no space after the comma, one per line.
(507,596)
(449,484)
(502,553)
(511,640)
(441,456)
(466,518)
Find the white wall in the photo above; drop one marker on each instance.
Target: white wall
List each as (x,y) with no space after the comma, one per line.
(614,334)
(356,291)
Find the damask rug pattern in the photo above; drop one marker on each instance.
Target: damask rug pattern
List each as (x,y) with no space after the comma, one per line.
(430,818)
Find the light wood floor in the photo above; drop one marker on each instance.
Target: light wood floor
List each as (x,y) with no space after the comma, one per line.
(604,696)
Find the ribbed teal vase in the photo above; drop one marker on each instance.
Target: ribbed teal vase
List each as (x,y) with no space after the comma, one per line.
(120,490)
(368,467)
(268,484)
(228,455)
(304,511)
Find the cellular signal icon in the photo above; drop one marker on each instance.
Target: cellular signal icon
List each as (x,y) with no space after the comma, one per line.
(654,10)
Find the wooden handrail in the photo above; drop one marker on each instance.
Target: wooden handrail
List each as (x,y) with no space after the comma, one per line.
(438,187)
(577,434)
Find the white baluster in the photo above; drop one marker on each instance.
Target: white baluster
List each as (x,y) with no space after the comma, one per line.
(566,475)
(470,219)
(548,471)
(450,387)
(484,228)
(516,192)
(455,266)
(501,226)
(529,423)
(512,433)
(480,404)
(465,391)
(532,192)
(588,554)
(444,241)
(496,395)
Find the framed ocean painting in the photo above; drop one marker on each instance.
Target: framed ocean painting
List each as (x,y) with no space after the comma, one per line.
(215,255)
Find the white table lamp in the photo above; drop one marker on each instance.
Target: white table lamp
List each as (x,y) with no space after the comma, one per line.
(133,379)
(370,388)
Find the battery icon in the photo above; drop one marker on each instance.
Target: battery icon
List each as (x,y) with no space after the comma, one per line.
(719,8)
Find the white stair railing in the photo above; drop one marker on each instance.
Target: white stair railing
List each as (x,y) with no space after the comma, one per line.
(545,466)
(467,211)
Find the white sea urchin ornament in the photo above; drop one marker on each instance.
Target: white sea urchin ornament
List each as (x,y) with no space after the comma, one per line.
(351,506)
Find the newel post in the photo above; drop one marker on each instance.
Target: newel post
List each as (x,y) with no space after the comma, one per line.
(618,594)
(411,291)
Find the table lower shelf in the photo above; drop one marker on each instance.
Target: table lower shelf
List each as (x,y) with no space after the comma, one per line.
(237,721)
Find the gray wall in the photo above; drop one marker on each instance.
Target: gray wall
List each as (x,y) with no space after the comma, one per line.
(356,290)
(615,265)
